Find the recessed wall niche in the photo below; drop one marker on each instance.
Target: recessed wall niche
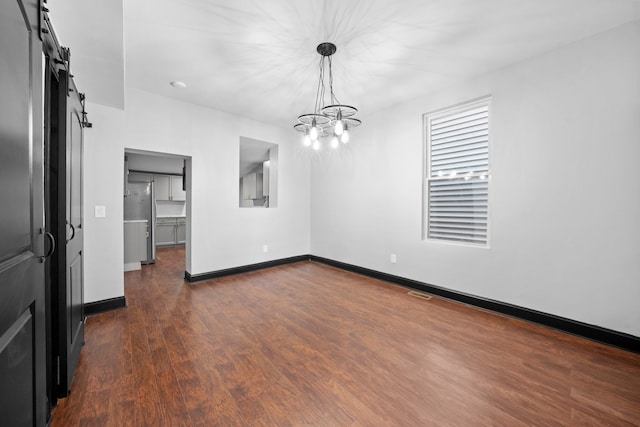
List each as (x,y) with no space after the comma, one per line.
(258,183)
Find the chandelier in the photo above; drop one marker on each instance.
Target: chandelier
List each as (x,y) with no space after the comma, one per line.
(329,121)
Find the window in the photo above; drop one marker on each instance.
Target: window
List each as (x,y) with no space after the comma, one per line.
(457,174)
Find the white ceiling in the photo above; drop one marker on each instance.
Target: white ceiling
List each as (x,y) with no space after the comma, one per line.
(257,58)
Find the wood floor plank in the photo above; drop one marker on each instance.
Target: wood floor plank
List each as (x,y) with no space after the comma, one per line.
(309,344)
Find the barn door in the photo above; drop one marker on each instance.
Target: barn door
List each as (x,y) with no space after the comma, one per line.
(70,289)
(23,399)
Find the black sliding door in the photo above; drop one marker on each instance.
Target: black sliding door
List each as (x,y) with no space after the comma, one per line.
(64,148)
(64,122)
(70,285)
(23,399)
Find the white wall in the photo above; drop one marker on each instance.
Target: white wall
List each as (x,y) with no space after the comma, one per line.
(103,185)
(222,234)
(565,188)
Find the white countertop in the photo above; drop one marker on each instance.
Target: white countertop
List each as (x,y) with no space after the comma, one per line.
(135,220)
(171,216)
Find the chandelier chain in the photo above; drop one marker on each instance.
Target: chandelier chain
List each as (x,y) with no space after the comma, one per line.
(320,91)
(334,98)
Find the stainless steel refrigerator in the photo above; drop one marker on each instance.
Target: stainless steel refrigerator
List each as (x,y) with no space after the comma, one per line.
(138,204)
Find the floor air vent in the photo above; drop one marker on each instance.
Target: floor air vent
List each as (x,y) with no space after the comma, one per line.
(419,295)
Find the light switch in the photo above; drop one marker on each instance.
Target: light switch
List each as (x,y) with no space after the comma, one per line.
(101,211)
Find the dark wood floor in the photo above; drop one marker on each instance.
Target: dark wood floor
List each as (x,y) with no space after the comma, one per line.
(307,344)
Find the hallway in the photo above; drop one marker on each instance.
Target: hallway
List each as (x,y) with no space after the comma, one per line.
(307,344)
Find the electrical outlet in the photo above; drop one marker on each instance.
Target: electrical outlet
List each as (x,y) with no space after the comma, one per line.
(265,248)
(393,258)
(100,211)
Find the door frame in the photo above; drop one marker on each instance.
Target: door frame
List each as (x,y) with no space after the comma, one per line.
(187,181)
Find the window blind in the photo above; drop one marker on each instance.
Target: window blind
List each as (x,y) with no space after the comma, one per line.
(458,172)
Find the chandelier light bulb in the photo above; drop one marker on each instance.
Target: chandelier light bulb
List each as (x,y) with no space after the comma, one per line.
(307,140)
(339,125)
(345,136)
(334,142)
(316,145)
(313,132)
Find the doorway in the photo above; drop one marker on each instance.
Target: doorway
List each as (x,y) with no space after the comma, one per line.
(157,206)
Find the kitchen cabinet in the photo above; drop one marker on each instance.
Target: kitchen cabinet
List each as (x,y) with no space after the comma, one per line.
(177,193)
(252,186)
(169,187)
(181,231)
(162,187)
(248,186)
(171,231)
(165,231)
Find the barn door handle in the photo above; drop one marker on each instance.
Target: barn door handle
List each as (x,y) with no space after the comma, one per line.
(52,247)
(53,244)
(73,231)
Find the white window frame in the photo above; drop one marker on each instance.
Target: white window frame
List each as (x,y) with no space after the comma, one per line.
(427,178)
